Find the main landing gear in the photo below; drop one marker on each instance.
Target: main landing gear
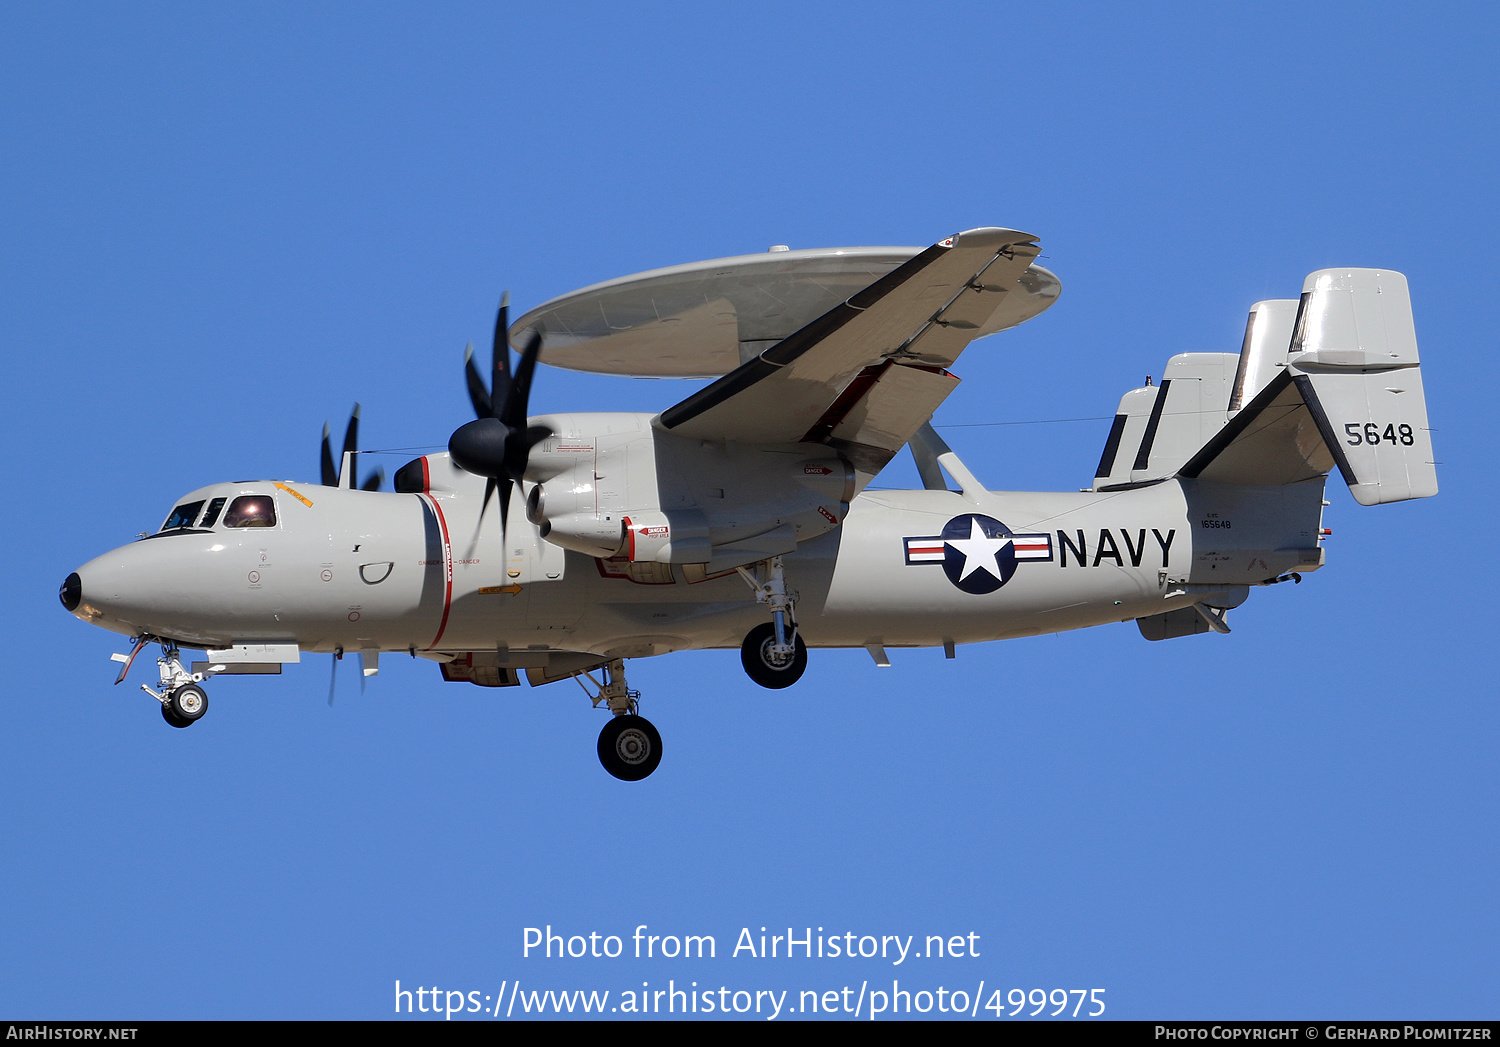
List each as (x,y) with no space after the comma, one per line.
(183,702)
(773,653)
(629,746)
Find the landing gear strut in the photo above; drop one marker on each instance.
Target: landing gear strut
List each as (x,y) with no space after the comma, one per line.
(183,702)
(629,746)
(773,653)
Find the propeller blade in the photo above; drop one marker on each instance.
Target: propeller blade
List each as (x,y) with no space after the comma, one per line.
(535,434)
(513,413)
(351,444)
(373,481)
(483,506)
(500,384)
(330,471)
(505,486)
(479,396)
(497,445)
(489,489)
(518,445)
(333,679)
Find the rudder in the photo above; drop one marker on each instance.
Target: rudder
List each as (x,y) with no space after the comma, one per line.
(1356,346)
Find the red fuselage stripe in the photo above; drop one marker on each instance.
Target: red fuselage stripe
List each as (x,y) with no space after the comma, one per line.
(447,570)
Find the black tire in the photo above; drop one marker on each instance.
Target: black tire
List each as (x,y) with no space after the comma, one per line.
(188,702)
(629,747)
(755,656)
(172,718)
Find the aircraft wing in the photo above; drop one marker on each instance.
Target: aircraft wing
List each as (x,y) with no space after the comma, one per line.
(866,374)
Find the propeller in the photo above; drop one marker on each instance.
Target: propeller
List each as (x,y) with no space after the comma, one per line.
(332,474)
(498,442)
(333,679)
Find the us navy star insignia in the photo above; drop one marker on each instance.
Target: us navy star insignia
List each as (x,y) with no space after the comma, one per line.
(978,553)
(979,550)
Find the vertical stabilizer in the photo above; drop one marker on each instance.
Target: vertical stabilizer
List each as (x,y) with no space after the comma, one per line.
(1354,350)
(1125,436)
(1268,335)
(1158,428)
(1350,396)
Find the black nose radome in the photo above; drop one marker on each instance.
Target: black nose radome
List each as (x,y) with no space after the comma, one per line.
(71,593)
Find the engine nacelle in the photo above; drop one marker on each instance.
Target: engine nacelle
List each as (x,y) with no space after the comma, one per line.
(678,536)
(584,533)
(613,485)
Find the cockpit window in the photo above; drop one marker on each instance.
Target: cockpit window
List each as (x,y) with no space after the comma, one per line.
(251,510)
(182,516)
(214,508)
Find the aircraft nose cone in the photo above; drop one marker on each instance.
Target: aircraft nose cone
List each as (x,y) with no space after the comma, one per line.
(71,593)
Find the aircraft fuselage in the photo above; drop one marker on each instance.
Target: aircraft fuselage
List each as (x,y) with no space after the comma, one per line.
(355,570)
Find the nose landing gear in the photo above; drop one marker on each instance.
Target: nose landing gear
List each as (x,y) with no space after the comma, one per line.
(183,702)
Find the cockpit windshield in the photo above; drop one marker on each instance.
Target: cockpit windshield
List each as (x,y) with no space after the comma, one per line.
(211,517)
(251,510)
(182,516)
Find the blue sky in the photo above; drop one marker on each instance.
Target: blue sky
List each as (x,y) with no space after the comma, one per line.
(224,224)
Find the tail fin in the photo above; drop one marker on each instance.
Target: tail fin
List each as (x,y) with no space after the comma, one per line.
(1350,395)
(1157,429)
(1268,333)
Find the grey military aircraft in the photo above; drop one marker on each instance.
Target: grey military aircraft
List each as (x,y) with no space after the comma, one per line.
(560,546)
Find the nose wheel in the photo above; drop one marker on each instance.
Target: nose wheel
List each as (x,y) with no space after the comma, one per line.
(185,705)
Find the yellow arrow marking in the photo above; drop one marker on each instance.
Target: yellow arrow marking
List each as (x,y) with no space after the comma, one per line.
(295,494)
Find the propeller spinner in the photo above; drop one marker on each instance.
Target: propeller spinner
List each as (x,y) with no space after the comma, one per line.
(498,442)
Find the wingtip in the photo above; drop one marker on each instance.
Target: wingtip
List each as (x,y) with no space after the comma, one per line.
(989,234)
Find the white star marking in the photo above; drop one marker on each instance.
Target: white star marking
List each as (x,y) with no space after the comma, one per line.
(979,550)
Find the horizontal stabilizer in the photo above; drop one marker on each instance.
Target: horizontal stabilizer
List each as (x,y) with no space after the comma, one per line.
(1275,439)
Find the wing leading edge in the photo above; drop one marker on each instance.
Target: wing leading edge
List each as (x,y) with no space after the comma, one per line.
(866,374)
